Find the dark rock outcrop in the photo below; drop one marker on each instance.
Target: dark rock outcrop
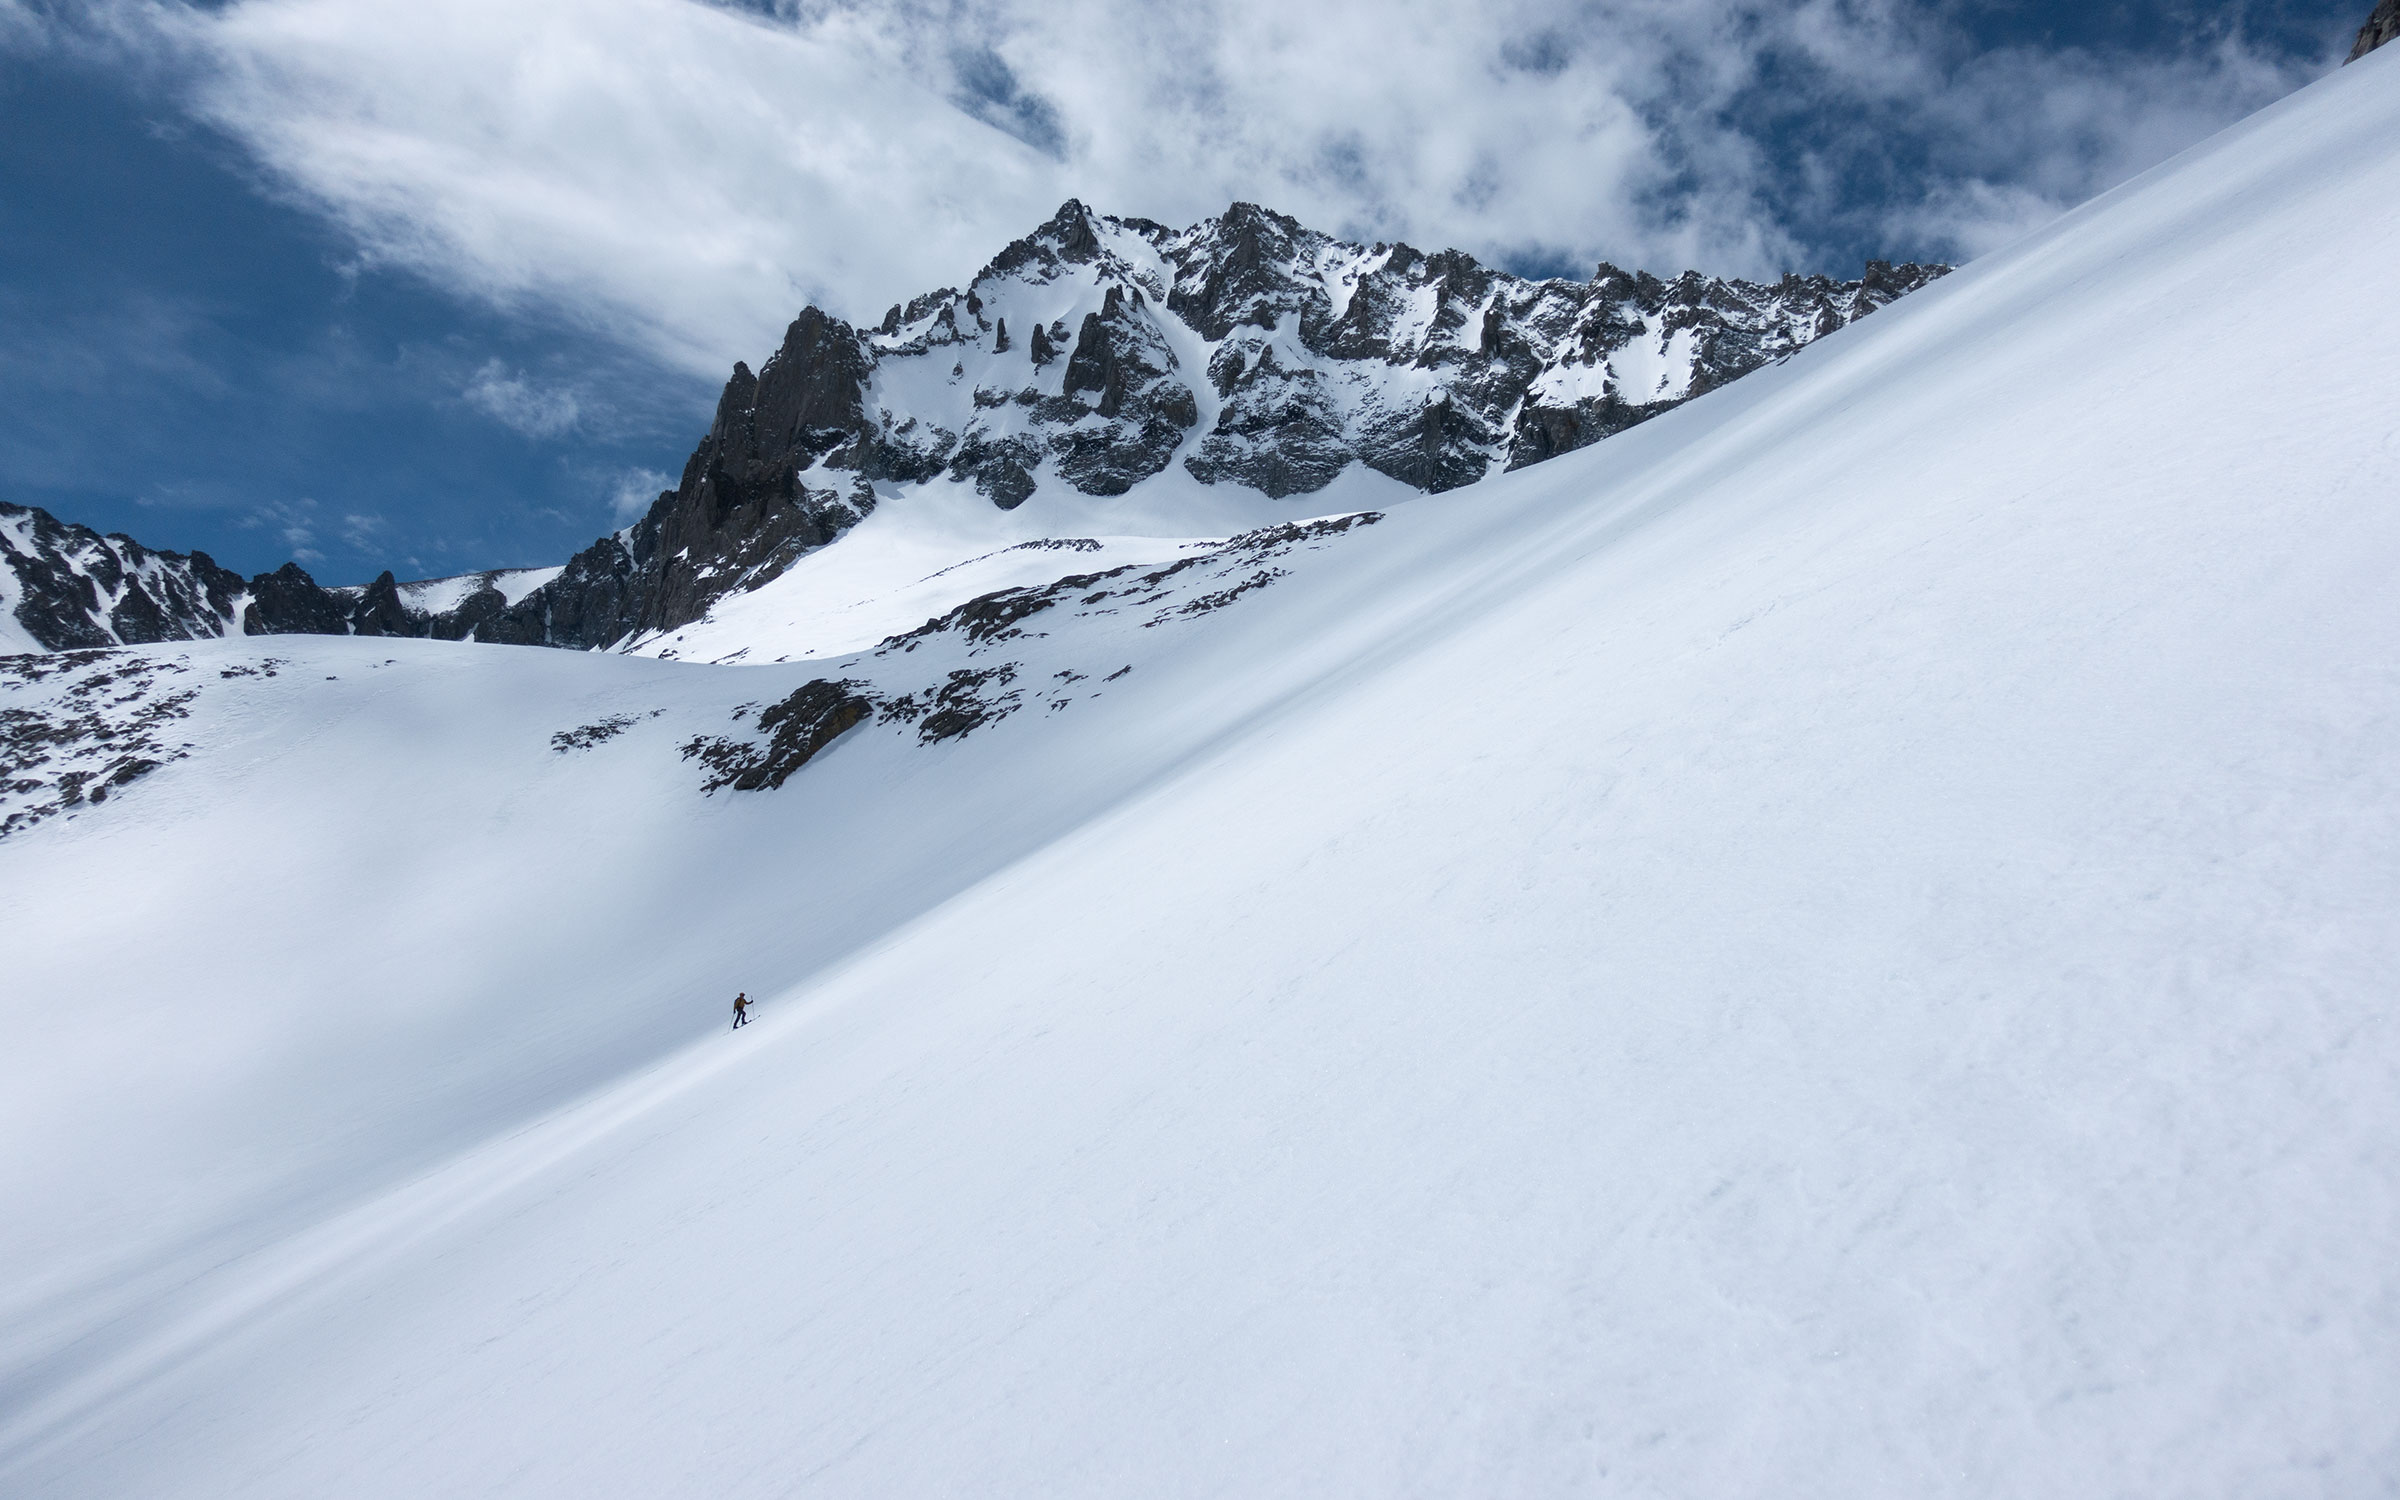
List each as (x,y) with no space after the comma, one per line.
(742,513)
(943,697)
(796,729)
(97,723)
(2382,25)
(75,589)
(289,602)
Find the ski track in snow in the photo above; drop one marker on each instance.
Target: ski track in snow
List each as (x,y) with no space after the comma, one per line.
(1842,947)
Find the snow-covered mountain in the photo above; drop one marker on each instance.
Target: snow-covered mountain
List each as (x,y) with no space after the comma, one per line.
(65,587)
(1246,354)
(1836,944)
(1099,355)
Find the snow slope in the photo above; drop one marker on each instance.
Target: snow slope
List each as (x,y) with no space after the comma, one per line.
(434,596)
(927,549)
(1849,952)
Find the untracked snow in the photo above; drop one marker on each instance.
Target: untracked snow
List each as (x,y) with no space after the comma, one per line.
(1841,946)
(435,596)
(928,549)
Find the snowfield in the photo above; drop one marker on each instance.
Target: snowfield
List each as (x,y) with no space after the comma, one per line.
(928,548)
(1843,947)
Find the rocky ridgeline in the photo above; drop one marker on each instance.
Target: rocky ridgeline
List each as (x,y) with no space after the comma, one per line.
(79,730)
(1097,351)
(1010,650)
(69,588)
(2382,24)
(1092,355)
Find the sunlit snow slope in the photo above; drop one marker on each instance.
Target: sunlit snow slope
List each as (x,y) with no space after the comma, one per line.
(930,548)
(1847,951)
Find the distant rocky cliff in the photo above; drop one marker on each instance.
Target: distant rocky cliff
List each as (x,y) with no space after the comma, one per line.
(1092,355)
(2381,27)
(65,587)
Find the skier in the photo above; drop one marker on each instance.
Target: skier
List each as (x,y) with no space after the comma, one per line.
(741,1011)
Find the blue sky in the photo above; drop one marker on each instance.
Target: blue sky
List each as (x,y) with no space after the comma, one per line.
(193,362)
(453,285)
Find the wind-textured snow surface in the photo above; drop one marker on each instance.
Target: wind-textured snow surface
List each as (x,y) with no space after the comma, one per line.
(1844,950)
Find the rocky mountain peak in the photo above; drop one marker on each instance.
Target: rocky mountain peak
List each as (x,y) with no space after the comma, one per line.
(1093,354)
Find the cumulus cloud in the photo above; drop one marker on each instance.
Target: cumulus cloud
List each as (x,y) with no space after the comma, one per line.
(685,175)
(515,401)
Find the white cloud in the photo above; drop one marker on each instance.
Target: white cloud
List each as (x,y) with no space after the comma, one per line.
(685,176)
(634,491)
(2025,135)
(363,532)
(20,29)
(294,521)
(515,401)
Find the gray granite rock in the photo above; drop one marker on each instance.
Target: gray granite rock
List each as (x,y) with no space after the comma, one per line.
(1091,354)
(2382,25)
